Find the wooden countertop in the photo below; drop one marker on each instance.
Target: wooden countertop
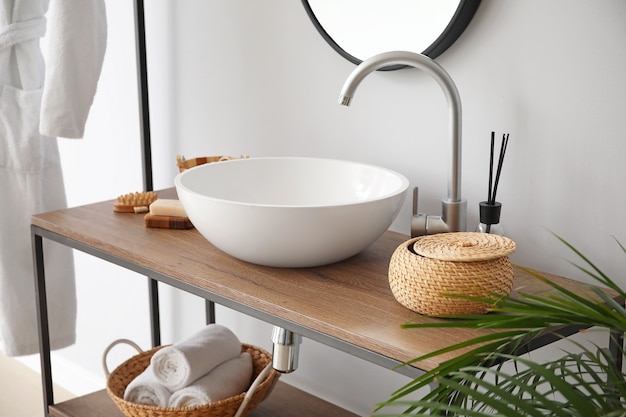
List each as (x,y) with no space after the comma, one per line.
(350,300)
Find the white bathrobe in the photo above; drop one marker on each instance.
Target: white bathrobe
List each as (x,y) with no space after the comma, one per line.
(32,113)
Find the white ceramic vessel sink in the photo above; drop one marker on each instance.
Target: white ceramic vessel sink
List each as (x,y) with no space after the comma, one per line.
(291,212)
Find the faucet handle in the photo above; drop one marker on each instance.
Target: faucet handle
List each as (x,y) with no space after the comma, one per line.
(422,224)
(415,196)
(418,221)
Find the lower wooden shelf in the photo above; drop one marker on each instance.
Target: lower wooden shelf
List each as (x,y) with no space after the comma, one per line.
(284,401)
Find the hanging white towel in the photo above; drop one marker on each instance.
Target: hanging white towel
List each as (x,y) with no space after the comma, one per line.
(180,364)
(227,380)
(31,181)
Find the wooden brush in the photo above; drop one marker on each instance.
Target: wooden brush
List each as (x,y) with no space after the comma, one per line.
(137,202)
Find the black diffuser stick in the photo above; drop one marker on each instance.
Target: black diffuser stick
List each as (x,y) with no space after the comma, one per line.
(503,146)
(493,139)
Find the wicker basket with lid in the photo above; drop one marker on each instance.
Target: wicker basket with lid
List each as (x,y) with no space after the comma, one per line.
(426,270)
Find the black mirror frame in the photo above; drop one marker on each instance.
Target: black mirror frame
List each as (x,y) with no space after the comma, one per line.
(461,19)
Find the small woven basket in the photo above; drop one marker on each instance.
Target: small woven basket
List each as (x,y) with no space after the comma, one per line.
(426,273)
(184,164)
(121,376)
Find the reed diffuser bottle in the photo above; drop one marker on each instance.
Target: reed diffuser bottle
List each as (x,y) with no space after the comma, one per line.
(490,210)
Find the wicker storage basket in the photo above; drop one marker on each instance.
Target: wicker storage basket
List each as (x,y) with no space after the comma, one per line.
(426,270)
(127,371)
(184,164)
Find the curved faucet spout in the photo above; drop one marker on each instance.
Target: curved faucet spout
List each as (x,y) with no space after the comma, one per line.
(453,217)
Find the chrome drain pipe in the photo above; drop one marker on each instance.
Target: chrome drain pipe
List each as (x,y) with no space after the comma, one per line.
(286,349)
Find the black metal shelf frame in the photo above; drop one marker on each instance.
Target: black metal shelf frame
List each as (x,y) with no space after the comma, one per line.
(146,147)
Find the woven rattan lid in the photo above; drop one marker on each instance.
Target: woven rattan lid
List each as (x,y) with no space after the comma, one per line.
(464,246)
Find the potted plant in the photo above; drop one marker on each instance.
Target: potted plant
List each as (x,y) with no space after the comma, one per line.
(584,382)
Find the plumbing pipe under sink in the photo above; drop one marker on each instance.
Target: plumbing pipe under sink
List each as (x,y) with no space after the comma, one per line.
(285,349)
(454,208)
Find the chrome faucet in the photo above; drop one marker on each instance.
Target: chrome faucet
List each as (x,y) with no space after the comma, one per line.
(454,208)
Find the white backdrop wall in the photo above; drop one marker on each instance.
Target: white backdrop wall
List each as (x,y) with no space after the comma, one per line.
(234,77)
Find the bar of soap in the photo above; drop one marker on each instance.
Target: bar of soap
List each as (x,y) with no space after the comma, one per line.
(167,207)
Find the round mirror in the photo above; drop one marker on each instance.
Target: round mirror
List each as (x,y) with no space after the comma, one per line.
(358,29)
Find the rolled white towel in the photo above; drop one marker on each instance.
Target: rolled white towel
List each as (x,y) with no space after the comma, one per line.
(146,389)
(226,380)
(180,364)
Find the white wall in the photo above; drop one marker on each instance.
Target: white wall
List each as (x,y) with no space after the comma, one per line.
(233,77)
